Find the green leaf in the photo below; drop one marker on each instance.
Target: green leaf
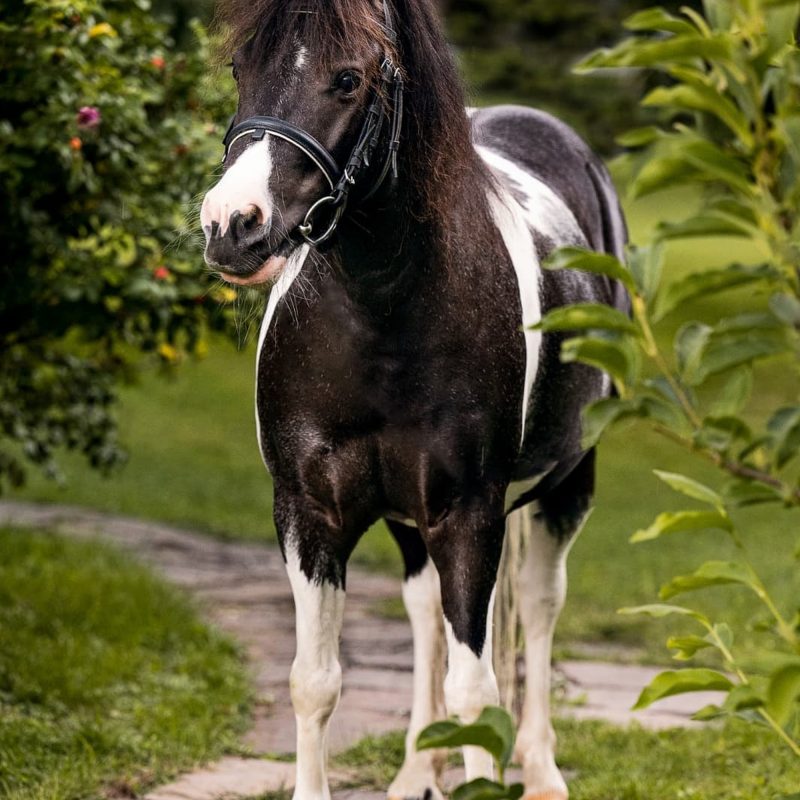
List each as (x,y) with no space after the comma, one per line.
(784,431)
(748,493)
(599,415)
(699,97)
(637,53)
(681,522)
(702,226)
(724,353)
(589,261)
(712,282)
(583,316)
(687,646)
(659,610)
(786,307)
(783,693)
(639,137)
(657,19)
(735,393)
(619,358)
(690,487)
(493,730)
(712,573)
(485,789)
(682,681)
(662,172)
(645,264)
(690,342)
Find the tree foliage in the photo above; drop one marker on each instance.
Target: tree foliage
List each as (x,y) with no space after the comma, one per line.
(107,132)
(522,51)
(731,129)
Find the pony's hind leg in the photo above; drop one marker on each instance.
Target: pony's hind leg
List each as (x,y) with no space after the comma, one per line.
(542,591)
(419,775)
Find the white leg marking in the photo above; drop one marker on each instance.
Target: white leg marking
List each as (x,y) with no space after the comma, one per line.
(469,686)
(316,677)
(542,590)
(281,287)
(245,184)
(423,601)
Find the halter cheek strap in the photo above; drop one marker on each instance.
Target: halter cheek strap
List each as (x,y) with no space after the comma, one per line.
(340,181)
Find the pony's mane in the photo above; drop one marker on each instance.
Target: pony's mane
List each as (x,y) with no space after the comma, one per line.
(437,156)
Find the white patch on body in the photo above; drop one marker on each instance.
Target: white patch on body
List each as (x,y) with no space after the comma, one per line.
(471,685)
(423,602)
(277,293)
(542,590)
(244,185)
(316,677)
(542,210)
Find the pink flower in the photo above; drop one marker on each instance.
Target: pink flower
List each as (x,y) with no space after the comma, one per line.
(161,273)
(88,117)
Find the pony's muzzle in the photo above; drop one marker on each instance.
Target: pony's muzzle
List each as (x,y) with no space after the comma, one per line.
(228,241)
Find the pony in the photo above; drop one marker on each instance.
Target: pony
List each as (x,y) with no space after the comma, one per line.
(399,375)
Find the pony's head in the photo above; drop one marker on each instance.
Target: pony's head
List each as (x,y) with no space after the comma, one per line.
(315,69)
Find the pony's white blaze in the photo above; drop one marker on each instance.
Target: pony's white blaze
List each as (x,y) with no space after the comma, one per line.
(316,677)
(244,185)
(301,58)
(423,602)
(277,293)
(471,685)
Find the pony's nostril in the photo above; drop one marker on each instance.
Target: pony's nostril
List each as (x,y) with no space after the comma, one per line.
(252,218)
(244,222)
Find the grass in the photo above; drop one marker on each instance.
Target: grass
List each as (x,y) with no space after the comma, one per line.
(602,762)
(108,679)
(194,461)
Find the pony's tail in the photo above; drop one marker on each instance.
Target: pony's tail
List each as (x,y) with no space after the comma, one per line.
(507,640)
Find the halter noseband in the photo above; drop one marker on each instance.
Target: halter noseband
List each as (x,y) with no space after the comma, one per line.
(341,181)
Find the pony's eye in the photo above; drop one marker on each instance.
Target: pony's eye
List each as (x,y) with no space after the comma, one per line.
(234,71)
(347,82)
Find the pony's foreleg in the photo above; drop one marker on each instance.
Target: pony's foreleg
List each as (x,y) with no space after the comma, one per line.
(316,574)
(418,777)
(466,549)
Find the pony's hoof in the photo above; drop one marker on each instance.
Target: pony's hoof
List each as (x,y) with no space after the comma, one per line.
(556,794)
(405,787)
(428,793)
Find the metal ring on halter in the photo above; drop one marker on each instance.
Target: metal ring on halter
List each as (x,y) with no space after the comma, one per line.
(306,227)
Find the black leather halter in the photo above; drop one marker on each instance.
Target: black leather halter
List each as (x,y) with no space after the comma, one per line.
(340,180)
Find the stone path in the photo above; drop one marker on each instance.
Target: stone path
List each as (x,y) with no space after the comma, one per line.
(244,590)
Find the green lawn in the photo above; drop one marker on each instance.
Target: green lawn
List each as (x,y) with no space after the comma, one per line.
(107,676)
(602,762)
(194,461)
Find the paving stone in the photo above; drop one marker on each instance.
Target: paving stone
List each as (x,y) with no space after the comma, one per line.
(230,777)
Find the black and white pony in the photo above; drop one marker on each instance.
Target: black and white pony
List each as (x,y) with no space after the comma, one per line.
(397,374)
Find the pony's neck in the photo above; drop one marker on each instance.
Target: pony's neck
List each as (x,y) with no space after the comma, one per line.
(387,251)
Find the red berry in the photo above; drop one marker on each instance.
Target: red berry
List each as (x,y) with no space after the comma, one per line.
(161,273)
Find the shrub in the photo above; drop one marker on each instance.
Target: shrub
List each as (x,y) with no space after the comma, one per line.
(106,132)
(731,132)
